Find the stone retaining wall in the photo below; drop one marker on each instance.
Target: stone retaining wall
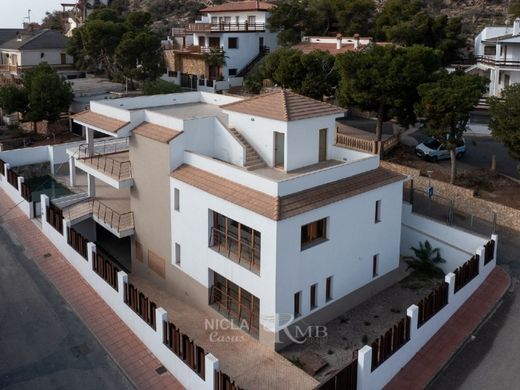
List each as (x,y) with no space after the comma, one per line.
(464,199)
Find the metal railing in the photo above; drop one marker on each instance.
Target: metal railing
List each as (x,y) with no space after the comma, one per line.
(240,251)
(140,304)
(104,147)
(235,310)
(221,27)
(107,215)
(97,157)
(491,60)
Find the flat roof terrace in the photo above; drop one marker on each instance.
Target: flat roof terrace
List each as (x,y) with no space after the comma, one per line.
(187,111)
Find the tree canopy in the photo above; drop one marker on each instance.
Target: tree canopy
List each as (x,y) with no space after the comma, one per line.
(446,105)
(118,46)
(159,87)
(384,79)
(12,98)
(504,120)
(311,74)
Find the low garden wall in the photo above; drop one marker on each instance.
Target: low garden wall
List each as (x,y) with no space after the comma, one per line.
(464,199)
(13,186)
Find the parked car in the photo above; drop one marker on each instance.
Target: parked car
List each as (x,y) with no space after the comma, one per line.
(434,150)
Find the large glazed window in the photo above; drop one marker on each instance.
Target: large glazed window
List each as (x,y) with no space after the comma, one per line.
(313,233)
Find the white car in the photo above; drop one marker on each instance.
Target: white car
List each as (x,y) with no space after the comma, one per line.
(433,150)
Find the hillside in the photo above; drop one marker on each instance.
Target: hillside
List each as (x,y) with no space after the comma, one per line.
(475,13)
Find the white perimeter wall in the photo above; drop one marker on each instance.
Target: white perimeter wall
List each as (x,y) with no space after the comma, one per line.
(52,57)
(196,256)
(55,154)
(353,239)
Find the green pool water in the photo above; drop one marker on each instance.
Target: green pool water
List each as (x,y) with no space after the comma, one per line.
(48,186)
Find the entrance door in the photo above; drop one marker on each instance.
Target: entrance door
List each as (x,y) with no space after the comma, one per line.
(323,145)
(279,149)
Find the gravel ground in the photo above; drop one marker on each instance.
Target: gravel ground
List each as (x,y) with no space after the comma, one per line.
(359,326)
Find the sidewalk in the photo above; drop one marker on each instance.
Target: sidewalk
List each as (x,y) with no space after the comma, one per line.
(128,352)
(426,364)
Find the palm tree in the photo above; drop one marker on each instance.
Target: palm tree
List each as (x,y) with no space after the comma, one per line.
(424,263)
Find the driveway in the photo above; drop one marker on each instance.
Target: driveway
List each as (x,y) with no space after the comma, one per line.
(43,344)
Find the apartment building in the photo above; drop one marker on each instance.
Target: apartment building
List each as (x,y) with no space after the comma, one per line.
(497,54)
(246,207)
(237,32)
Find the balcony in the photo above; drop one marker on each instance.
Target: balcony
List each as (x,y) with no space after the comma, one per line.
(492,61)
(238,242)
(108,160)
(225,27)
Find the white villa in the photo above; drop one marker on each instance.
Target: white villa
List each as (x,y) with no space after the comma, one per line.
(254,210)
(238,30)
(497,51)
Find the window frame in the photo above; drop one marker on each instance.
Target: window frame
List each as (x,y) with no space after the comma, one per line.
(375,265)
(177,254)
(377,216)
(314,296)
(176,199)
(232,39)
(329,296)
(314,238)
(297,304)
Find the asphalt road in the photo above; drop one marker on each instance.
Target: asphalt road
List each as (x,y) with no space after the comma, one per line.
(43,344)
(490,360)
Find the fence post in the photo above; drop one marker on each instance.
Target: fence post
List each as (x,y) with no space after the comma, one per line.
(481,252)
(211,364)
(19,185)
(6,168)
(122,278)
(44,199)
(91,250)
(494,237)
(364,368)
(66,225)
(450,279)
(160,316)
(413,313)
(72,171)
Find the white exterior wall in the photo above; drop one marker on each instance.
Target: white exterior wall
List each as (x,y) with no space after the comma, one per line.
(261,16)
(52,57)
(196,256)
(353,239)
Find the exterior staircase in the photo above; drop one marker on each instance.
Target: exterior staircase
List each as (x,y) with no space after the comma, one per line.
(253,159)
(249,66)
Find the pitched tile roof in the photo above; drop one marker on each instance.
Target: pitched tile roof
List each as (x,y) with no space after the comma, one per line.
(239,6)
(99,121)
(6,34)
(283,105)
(331,48)
(156,132)
(278,208)
(37,40)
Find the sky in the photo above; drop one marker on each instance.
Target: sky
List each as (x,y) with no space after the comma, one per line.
(12,12)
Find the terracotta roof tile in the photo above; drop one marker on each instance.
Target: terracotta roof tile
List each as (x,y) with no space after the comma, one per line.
(239,6)
(307,47)
(103,122)
(278,208)
(283,105)
(156,132)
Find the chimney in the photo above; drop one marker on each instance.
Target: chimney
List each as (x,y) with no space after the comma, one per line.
(18,36)
(356,41)
(339,38)
(516,27)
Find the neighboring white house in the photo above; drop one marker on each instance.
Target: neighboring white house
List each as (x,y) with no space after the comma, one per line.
(239,30)
(334,45)
(497,51)
(28,48)
(77,12)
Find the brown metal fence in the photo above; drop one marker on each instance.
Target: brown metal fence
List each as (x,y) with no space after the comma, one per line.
(489,251)
(224,382)
(140,303)
(2,167)
(12,178)
(386,345)
(185,348)
(55,217)
(105,268)
(26,192)
(433,303)
(345,379)
(466,272)
(77,242)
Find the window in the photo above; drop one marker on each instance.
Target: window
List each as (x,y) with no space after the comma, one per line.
(171,73)
(313,233)
(314,296)
(214,20)
(177,254)
(251,20)
(378,212)
(375,265)
(297,304)
(232,43)
(328,289)
(176,199)
(232,72)
(490,50)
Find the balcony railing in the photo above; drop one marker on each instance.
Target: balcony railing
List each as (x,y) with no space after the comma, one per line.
(241,251)
(99,160)
(225,27)
(119,222)
(492,61)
